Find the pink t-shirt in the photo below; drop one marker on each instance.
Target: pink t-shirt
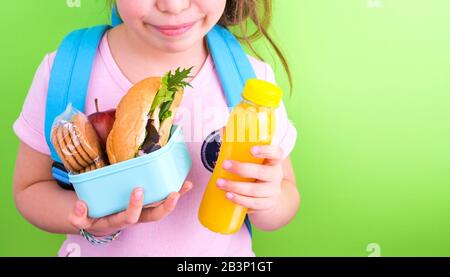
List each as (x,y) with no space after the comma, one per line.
(180,233)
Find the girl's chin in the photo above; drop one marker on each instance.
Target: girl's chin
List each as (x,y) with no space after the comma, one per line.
(169,46)
(177,47)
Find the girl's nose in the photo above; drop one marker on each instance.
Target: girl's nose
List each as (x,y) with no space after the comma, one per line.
(173,6)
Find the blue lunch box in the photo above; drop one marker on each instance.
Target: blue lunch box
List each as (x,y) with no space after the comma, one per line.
(107,190)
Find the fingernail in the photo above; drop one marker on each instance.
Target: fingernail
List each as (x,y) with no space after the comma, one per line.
(220,183)
(138,194)
(189,187)
(229,195)
(226,165)
(79,209)
(255,150)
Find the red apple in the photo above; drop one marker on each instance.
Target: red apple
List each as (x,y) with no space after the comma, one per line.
(102,122)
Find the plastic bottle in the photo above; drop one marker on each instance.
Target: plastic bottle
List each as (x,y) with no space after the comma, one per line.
(252,122)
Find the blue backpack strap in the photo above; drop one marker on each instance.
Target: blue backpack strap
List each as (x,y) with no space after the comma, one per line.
(59,80)
(233,67)
(115,18)
(69,81)
(82,69)
(231,63)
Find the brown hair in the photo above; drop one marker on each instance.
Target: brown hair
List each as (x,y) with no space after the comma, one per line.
(259,12)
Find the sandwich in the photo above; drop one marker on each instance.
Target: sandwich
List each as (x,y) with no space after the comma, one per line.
(145,115)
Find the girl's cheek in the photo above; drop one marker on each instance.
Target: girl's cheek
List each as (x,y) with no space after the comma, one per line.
(131,11)
(213,9)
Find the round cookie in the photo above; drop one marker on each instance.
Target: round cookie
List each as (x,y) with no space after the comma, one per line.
(79,146)
(87,136)
(66,151)
(73,145)
(57,146)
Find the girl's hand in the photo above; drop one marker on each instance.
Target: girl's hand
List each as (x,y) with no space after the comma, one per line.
(135,213)
(262,195)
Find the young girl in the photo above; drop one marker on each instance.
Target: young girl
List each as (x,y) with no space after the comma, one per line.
(158,36)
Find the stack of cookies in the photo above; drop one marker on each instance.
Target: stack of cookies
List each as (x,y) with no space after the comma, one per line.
(78,145)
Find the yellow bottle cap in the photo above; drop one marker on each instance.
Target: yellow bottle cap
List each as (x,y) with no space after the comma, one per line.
(262,93)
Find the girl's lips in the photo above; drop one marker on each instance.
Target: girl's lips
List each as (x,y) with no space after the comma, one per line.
(174,30)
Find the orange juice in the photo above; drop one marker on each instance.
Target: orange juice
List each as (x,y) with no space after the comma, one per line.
(252,122)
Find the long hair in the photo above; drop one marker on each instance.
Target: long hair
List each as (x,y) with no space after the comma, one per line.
(259,12)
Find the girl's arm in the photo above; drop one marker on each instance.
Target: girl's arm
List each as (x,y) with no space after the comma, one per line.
(47,206)
(38,197)
(274,199)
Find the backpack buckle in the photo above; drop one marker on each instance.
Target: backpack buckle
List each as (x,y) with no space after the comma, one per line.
(59,172)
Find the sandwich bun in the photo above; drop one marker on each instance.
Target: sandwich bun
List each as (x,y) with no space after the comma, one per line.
(128,132)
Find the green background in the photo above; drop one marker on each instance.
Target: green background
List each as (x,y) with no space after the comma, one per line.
(371,103)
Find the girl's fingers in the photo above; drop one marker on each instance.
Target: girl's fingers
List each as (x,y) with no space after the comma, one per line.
(132,213)
(272,153)
(187,186)
(247,189)
(78,217)
(250,170)
(254,204)
(157,213)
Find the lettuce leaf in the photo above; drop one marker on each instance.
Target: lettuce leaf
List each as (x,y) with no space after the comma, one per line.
(170,84)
